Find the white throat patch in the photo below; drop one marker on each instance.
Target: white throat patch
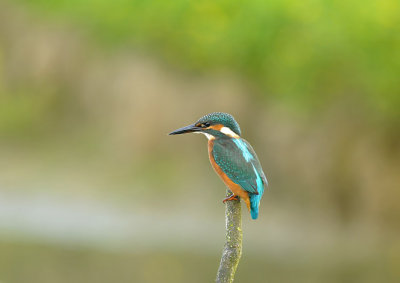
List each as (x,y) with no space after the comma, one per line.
(209,137)
(227,131)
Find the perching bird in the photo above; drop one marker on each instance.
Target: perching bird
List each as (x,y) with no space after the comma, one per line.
(232,158)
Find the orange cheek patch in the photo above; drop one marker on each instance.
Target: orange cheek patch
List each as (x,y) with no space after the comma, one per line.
(217,127)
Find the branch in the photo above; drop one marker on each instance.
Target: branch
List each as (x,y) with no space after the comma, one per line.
(233,242)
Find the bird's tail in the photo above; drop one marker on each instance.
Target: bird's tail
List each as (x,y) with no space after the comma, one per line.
(254,205)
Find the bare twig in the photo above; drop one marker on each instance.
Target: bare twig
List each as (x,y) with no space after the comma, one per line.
(233,242)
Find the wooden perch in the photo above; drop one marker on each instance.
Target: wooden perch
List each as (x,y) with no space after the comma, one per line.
(233,242)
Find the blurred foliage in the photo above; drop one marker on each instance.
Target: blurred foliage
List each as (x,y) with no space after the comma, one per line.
(303,53)
(22,113)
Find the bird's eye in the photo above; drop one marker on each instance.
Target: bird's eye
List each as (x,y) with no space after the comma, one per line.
(206,125)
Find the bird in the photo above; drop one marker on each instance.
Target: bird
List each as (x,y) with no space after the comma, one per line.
(232,158)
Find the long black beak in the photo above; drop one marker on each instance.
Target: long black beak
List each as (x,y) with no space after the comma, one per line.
(188,129)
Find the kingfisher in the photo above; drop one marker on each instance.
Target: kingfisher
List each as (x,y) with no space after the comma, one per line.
(232,158)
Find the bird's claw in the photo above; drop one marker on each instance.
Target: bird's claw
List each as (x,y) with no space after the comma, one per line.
(232,197)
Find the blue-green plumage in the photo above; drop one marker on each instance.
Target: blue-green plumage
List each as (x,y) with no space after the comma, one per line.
(239,162)
(221,118)
(233,156)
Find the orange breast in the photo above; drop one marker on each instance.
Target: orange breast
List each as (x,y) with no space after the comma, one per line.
(235,188)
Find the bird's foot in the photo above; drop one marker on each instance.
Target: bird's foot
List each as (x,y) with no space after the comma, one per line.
(231,197)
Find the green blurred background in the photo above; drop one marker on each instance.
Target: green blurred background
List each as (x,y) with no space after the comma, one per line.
(93,190)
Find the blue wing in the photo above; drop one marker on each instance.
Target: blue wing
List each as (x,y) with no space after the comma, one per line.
(239,162)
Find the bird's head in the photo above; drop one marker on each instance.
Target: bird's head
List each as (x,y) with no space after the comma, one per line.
(214,125)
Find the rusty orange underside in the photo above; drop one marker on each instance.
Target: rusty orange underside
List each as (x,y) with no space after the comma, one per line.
(235,188)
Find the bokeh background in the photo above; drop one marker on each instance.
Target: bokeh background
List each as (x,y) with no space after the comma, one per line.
(93,190)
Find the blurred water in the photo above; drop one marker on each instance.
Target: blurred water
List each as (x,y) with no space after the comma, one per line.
(90,227)
(81,222)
